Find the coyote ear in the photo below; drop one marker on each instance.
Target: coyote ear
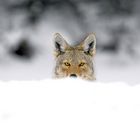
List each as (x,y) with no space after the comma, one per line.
(60,44)
(90,44)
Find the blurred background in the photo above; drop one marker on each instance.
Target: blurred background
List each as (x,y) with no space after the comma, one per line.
(27,28)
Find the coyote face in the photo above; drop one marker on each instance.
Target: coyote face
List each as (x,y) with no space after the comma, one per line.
(76,61)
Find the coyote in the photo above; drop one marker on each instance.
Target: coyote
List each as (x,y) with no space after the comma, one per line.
(75,61)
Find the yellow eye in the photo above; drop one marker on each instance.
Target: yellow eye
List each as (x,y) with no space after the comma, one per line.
(67,64)
(81,64)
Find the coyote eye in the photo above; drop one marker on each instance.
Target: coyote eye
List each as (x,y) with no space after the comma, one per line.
(67,64)
(81,64)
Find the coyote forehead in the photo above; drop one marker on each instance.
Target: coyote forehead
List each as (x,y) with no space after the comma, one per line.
(77,60)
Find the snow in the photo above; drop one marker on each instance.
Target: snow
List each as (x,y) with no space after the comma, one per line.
(69,109)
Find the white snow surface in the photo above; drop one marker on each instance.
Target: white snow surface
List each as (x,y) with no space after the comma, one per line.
(69,109)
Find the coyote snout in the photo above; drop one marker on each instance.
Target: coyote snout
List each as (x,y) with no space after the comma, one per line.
(73,75)
(75,61)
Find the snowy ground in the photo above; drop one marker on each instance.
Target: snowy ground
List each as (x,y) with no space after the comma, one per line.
(69,109)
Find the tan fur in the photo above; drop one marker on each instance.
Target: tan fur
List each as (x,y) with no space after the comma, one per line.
(76,60)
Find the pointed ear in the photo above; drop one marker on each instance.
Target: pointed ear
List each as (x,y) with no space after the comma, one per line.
(60,44)
(89,44)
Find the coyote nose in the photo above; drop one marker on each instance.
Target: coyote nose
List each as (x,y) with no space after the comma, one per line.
(73,75)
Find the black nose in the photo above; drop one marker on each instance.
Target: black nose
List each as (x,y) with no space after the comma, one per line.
(73,75)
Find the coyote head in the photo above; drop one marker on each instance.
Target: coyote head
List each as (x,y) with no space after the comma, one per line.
(75,61)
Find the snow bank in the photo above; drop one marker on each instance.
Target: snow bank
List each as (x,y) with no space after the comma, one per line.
(69,110)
